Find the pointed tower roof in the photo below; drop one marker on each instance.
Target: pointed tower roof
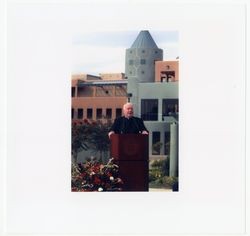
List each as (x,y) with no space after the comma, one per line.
(144,40)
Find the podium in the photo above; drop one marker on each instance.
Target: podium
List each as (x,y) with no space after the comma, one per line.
(130,153)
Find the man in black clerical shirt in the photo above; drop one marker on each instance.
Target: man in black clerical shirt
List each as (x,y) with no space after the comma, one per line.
(128,124)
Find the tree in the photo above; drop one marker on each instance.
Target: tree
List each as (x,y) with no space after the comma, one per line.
(90,136)
(157,148)
(79,138)
(98,140)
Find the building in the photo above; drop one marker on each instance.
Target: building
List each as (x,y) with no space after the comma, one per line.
(98,97)
(150,83)
(153,89)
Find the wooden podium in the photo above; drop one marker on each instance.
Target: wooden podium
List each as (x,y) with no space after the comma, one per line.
(130,152)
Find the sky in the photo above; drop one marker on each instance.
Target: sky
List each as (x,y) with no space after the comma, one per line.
(104,51)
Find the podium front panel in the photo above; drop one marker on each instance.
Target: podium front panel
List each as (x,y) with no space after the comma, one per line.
(134,175)
(130,152)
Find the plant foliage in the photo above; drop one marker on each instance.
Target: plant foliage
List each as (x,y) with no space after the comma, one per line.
(94,176)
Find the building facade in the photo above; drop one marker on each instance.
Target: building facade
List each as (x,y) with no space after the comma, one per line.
(98,97)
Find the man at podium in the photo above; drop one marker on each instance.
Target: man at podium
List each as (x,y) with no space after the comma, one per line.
(130,149)
(128,124)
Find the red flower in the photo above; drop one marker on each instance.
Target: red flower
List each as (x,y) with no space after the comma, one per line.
(83,174)
(109,174)
(97,180)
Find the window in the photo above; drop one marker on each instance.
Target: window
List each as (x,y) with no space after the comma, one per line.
(73,90)
(167,76)
(98,113)
(143,51)
(131,62)
(72,113)
(170,107)
(79,113)
(118,112)
(156,144)
(86,91)
(89,113)
(149,109)
(108,113)
(142,72)
(143,61)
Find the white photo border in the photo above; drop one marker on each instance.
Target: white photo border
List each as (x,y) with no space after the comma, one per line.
(35,171)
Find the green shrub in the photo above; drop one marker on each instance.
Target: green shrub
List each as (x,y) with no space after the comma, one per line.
(151,177)
(169,181)
(159,175)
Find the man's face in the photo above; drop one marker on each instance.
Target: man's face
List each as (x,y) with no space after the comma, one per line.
(128,111)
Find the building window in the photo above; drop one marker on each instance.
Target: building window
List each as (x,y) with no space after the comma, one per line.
(108,113)
(98,113)
(79,113)
(130,51)
(89,113)
(131,62)
(118,112)
(170,107)
(149,109)
(143,61)
(167,143)
(167,76)
(143,51)
(73,91)
(142,71)
(156,144)
(86,91)
(156,52)
(72,113)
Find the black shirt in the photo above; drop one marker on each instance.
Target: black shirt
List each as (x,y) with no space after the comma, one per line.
(123,125)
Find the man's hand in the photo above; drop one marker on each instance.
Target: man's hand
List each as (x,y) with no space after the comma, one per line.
(144,132)
(110,133)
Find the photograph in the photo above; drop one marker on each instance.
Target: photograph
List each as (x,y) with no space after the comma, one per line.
(125,111)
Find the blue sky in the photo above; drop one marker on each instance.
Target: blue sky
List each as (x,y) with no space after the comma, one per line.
(104,52)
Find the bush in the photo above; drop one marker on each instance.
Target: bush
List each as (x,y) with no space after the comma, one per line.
(94,176)
(169,181)
(159,175)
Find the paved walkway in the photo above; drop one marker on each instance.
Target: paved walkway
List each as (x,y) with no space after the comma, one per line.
(159,190)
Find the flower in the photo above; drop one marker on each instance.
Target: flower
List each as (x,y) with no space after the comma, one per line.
(97,180)
(111,178)
(94,176)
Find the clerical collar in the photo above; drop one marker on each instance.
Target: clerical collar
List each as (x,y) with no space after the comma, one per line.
(128,117)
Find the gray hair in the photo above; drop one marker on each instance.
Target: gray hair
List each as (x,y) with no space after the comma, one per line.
(126,104)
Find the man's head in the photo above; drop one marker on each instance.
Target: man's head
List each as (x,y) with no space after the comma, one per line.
(128,110)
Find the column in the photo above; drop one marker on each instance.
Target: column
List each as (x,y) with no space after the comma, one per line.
(173,167)
(159,109)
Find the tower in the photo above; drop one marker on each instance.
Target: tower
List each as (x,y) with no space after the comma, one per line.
(140,65)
